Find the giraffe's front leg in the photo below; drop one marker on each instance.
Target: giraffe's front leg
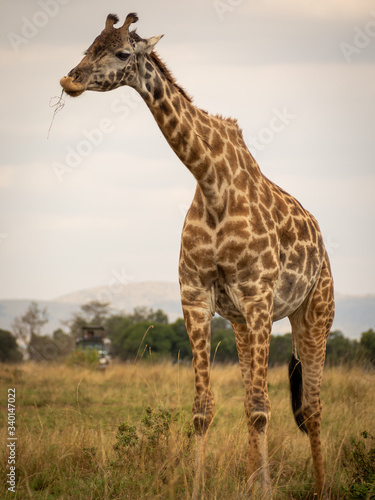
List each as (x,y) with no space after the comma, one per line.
(197,314)
(203,407)
(252,341)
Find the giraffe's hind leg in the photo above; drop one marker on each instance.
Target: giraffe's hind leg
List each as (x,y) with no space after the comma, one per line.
(311,325)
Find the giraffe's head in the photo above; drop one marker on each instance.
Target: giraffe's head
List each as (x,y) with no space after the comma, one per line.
(116,57)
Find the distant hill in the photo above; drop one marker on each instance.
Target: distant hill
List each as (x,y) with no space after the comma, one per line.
(153,294)
(354,314)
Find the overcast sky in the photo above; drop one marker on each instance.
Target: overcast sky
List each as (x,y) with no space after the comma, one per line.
(299,75)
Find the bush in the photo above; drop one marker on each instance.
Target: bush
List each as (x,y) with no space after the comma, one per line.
(359,464)
(280,349)
(9,350)
(154,429)
(88,358)
(367,345)
(340,349)
(126,436)
(223,346)
(159,338)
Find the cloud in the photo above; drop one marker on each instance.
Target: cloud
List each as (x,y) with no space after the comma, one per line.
(123,201)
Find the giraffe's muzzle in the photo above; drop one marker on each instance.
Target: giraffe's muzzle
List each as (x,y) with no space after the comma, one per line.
(72,88)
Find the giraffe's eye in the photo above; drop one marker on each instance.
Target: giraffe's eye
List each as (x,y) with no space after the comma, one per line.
(122,55)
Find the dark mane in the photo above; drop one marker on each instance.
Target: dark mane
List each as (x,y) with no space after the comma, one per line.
(163,68)
(168,75)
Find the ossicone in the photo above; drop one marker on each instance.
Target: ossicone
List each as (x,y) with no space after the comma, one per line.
(130,19)
(113,19)
(110,21)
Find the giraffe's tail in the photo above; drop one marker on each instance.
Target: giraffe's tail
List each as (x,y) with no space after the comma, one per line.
(295,385)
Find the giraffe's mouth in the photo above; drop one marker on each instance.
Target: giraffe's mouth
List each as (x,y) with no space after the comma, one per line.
(71,87)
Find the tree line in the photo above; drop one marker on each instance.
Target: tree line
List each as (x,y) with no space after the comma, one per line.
(148,334)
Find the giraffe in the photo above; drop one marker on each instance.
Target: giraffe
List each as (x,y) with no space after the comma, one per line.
(249,251)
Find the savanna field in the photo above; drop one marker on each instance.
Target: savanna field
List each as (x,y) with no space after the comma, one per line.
(126,433)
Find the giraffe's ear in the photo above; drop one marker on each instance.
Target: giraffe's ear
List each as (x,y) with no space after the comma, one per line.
(146,46)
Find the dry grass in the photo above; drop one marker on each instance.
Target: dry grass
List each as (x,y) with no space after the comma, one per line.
(67,420)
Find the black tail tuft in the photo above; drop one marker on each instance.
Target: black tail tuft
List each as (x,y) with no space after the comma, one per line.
(295,384)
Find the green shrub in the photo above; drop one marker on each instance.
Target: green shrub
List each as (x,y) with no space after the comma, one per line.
(360,466)
(88,358)
(126,436)
(154,429)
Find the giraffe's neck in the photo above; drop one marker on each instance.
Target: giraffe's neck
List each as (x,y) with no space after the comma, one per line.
(207,145)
